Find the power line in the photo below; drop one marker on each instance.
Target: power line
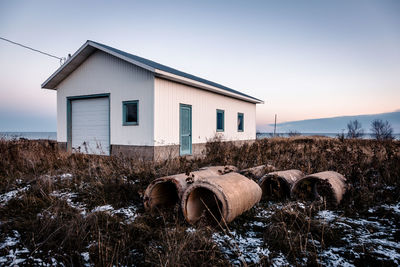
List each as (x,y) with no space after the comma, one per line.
(33,49)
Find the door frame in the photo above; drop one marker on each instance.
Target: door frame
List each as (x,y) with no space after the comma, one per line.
(180,128)
(69,117)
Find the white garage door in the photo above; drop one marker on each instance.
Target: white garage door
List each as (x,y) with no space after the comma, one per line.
(90,125)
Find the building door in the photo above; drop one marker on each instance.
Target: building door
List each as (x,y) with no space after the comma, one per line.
(90,125)
(185,126)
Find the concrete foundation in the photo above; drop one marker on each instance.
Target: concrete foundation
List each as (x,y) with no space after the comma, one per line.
(158,153)
(139,152)
(62,146)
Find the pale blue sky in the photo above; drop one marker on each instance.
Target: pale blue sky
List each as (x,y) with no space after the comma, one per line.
(306,59)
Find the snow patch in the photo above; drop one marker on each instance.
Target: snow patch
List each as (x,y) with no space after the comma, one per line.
(102,208)
(11,241)
(17,253)
(374,233)
(4,198)
(70,197)
(66,176)
(129,213)
(86,258)
(332,258)
(395,208)
(240,248)
(190,230)
(327,215)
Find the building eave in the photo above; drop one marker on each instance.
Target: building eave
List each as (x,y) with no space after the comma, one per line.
(88,48)
(78,58)
(187,81)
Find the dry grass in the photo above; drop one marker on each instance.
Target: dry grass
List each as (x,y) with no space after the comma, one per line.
(370,166)
(51,228)
(294,231)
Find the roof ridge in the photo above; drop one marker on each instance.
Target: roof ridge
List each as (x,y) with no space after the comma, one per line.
(171,70)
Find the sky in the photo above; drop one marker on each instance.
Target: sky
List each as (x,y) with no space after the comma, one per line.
(305,59)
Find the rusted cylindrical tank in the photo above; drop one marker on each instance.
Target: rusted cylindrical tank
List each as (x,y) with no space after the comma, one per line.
(220,199)
(257,172)
(167,191)
(278,185)
(328,185)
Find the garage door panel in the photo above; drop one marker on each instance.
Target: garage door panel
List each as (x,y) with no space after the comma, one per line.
(90,125)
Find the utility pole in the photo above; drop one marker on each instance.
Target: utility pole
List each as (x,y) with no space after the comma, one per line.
(275,126)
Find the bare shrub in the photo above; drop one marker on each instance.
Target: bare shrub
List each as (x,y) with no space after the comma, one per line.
(218,151)
(354,129)
(381,130)
(293,133)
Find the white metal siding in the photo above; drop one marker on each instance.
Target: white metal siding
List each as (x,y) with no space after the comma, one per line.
(90,125)
(159,101)
(104,73)
(168,95)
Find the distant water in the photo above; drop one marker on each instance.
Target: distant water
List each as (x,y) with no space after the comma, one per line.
(269,135)
(29,135)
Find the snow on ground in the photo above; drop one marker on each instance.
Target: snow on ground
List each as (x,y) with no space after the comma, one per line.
(14,253)
(11,241)
(17,253)
(327,215)
(70,198)
(241,248)
(66,176)
(395,208)
(190,230)
(248,247)
(334,259)
(377,234)
(126,180)
(86,258)
(4,198)
(128,213)
(102,208)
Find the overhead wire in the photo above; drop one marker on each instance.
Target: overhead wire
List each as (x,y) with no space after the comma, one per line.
(62,59)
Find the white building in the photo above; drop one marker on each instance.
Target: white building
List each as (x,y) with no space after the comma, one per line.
(111,102)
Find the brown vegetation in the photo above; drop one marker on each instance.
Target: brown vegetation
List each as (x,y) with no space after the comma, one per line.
(50,227)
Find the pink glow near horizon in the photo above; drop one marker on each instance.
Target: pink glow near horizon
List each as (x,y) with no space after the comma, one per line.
(325,59)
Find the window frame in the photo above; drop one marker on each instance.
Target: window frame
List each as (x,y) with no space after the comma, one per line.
(240,114)
(223,120)
(124,105)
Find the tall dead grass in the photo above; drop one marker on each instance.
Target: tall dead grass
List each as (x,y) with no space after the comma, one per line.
(370,166)
(50,227)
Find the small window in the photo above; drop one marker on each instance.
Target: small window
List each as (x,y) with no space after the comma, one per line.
(220,120)
(130,112)
(240,122)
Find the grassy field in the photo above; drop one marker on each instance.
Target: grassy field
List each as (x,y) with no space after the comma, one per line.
(73,209)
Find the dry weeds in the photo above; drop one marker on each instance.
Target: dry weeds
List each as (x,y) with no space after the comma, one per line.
(65,229)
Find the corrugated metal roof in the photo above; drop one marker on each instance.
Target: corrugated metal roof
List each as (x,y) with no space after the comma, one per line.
(159,66)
